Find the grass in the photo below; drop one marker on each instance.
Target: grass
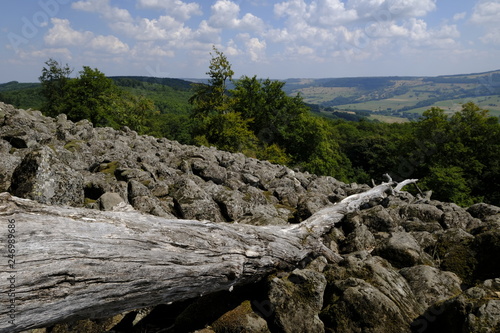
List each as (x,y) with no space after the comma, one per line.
(388,119)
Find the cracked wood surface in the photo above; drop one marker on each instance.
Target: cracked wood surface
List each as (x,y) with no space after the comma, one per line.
(74,263)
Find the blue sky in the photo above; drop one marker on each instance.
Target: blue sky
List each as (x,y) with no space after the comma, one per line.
(276,39)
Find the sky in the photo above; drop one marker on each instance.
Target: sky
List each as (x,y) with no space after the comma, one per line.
(270,39)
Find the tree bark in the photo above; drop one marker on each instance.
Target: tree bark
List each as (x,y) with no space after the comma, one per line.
(74,263)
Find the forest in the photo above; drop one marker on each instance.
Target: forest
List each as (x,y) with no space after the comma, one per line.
(457,156)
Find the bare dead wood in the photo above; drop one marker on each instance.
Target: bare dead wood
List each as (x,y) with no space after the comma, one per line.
(73,263)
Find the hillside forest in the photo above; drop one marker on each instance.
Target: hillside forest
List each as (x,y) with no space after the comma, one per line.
(457,156)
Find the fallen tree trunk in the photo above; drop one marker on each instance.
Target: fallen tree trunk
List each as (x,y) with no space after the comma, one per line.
(63,263)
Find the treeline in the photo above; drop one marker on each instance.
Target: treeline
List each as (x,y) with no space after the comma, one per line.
(456,156)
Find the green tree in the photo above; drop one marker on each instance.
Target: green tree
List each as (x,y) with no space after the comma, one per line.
(55,87)
(227,131)
(212,98)
(458,154)
(133,111)
(270,109)
(92,96)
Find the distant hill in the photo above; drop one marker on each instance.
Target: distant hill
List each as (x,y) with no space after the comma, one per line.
(170,95)
(385,98)
(404,97)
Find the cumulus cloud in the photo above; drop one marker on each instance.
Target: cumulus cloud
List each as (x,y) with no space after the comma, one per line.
(459,16)
(176,8)
(492,37)
(256,49)
(486,12)
(321,12)
(225,14)
(104,9)
(108,44)
(63,35)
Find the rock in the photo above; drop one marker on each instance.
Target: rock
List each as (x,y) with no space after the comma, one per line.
(108,201)
(193,203)
(422,251)
(457,217)
(423,212)
(366,294)
(454,253)
(361,239)
(431,285)
(379,219)
(241,319)
(475,310)
(209,171)
(8,163)
(42,178)
(401,250)
(483,211)
(297,300)
(487,253)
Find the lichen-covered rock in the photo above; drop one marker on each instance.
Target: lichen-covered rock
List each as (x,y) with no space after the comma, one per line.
(475,310)
(193,203)
(42,178)
(366,294)
(297,299)
(240,319)
(431,285)
(401,250)
(109,200)
(457,217)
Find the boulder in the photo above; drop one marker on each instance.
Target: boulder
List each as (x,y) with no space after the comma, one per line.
(297,299)
(431,285)
(240,319)
(402,250)
(475,310)
(367,294)
(42,178)
(108,201)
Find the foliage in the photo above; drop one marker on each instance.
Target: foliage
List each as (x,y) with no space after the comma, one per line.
(55,87)
(92,96)
(211,98)
(227,131)
(456,156)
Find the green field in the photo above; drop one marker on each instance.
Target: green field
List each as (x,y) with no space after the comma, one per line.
(402,97)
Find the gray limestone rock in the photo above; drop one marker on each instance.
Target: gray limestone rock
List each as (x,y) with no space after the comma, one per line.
(297,300)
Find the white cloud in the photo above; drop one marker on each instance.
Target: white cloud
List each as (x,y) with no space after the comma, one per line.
(150,51)
(108,44)
(486,11)
(492,37)
(459,16)
(256,49)
(225,14)
(321,12)
(164,28)
(63,35)
(104,9)
(46,53)
(176,8)
(487,14)
(410,8)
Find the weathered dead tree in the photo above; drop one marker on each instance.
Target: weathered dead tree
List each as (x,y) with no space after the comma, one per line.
(64,263)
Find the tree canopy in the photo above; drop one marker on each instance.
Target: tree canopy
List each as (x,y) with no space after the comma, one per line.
(457,156)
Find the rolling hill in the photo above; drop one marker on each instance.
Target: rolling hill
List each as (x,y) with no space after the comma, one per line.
(400,97)
(389,99)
